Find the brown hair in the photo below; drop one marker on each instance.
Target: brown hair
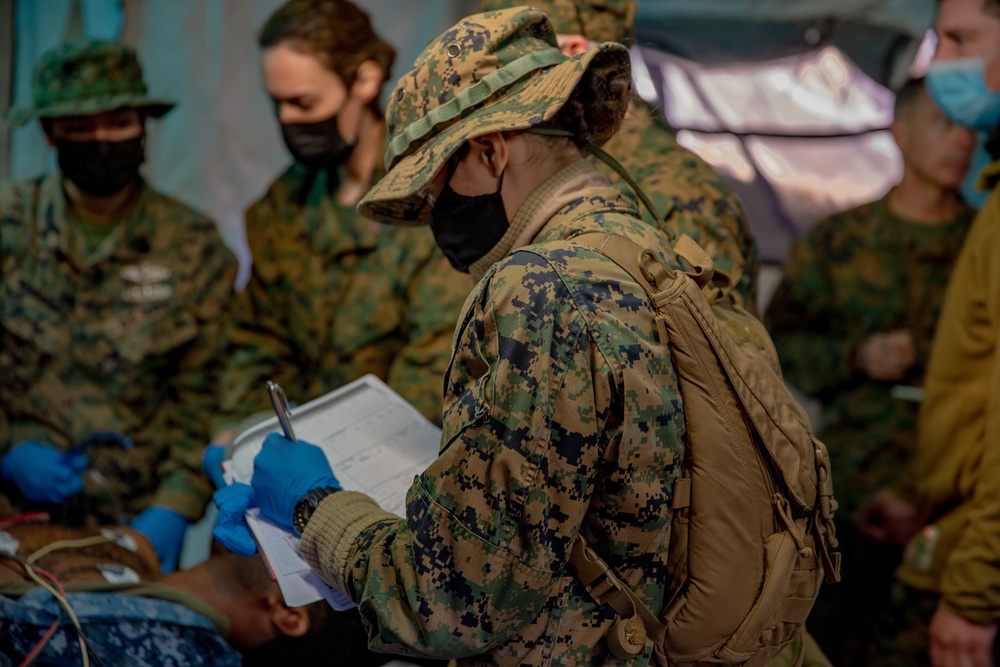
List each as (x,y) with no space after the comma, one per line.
(335,31)
(596,108)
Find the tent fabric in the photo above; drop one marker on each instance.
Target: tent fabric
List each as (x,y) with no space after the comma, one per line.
(880,36)
(798,138)
(39,26)
(910,17)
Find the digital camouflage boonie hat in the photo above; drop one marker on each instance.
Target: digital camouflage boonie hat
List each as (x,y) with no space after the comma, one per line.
(597,20)
(84,77)
(493,72)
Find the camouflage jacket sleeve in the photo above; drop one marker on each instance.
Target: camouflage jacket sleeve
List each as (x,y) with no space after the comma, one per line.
(489,524)
(183,485)
(431,294)
(802,321)
(334,297)
(262,338)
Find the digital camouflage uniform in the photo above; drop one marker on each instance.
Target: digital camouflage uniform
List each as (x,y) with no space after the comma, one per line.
(858,273)
(121,629)
(334,296)
(123,336)
(689,195)
(562,414)
(562,411)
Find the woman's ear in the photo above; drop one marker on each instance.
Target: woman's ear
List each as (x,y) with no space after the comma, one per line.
(493,150)
(368,81)
(289,621)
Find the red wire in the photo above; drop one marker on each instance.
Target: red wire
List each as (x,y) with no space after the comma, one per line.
(23,517)
(55,624)
(48,575)
(40,645)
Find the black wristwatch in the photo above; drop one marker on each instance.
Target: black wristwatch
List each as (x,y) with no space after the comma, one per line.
(307,505)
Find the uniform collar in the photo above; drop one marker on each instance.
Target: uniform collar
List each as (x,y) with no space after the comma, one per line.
(339,229)
(56,230)
(574,191)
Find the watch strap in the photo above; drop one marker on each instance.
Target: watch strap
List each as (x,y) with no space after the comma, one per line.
(307,505)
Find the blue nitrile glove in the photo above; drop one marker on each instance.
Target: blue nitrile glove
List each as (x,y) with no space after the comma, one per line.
(231,527)
(165,530)
(211,461)
(283,472)
(42,472)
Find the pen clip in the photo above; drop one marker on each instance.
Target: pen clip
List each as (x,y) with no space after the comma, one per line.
(281,409)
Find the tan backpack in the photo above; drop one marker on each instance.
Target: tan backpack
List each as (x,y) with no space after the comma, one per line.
(752,532)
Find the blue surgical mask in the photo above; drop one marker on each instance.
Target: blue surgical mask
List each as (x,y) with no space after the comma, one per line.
(959,88)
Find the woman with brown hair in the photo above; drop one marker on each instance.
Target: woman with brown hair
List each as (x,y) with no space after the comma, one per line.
(334,295)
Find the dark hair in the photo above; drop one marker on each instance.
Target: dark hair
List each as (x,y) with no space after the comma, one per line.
(911,91)
(992,7)
(596,107)
(335,31)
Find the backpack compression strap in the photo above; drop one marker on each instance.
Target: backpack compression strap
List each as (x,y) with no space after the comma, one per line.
(636,621)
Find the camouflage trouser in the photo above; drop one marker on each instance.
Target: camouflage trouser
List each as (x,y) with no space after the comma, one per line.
(901,635)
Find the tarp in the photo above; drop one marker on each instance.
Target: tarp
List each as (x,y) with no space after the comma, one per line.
(880,36)
(788,99)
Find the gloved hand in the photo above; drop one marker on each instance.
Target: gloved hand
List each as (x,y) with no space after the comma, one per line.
(42,472)
(283,472)
(211,461)
(231,528)
(165,530)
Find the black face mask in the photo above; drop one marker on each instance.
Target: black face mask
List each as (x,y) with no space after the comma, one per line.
(467,227)
(316,145)
(101,167)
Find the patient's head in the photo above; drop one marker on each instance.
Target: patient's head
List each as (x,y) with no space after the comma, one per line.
(237,586)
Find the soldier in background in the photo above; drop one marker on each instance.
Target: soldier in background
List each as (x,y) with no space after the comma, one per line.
(333,295)
(689,195)
(853,320)
(113,296)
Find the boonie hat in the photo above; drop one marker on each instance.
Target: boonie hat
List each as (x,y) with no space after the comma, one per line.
(493,72)
(597,20)
(84,77)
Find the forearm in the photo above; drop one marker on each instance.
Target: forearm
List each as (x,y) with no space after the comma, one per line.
(184,489)
(395,570)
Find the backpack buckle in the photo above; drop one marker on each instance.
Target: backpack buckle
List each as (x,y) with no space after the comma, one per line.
(593,572)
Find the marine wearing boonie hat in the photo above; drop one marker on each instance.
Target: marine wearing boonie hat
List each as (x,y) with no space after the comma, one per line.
(493,72)
(597,20)
(86,77)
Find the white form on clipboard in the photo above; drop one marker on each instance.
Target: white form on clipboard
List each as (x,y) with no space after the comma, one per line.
(375,442)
